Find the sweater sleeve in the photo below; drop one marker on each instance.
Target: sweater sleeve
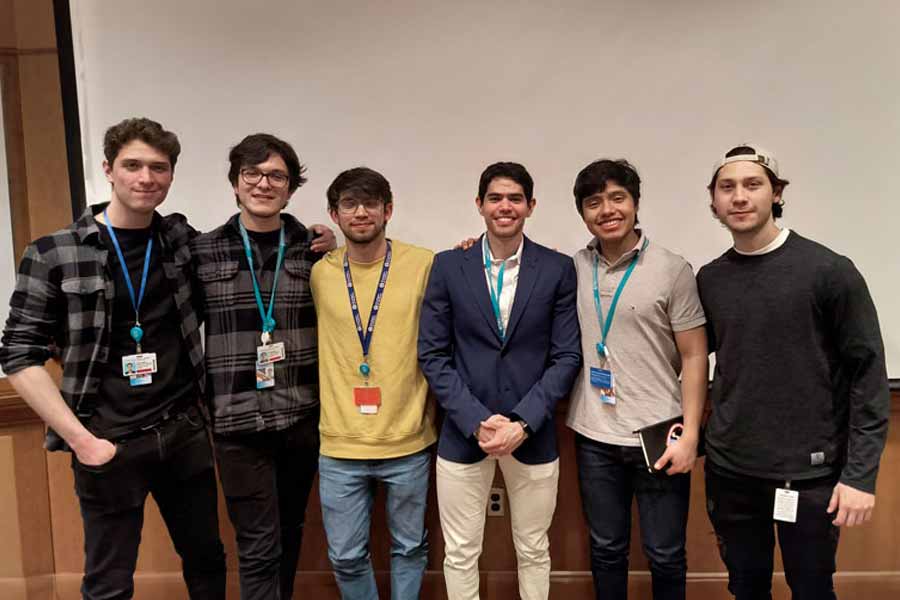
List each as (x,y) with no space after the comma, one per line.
(851,315)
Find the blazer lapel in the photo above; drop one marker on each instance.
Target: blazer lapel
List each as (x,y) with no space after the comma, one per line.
(473,272)
(528,273)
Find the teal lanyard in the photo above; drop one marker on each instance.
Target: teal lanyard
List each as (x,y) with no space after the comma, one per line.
(602,350)
(268,322)
(137,332)
(495,296)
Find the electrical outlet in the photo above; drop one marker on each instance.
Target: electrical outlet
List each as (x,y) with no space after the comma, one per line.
(496,502)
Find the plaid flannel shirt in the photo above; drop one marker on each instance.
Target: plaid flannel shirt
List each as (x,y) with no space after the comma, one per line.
(64,296)
(233,324)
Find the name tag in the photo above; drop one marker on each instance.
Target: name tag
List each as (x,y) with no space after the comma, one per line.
(603,380)
(139,368)
(265,376)
(270,353)
(786,505)
(368,399)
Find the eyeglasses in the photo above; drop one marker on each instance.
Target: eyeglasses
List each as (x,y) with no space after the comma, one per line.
(348,206)
(276,179)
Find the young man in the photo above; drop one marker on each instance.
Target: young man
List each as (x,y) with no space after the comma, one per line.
(112,293)
(253,279)
(800,395)
(376,422)
(641,327)
(499,345)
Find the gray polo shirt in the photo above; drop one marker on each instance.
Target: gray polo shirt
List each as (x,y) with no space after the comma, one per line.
(658,300)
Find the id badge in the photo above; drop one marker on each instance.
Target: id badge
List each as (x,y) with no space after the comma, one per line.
(136,366)
(368,399)
(265,376)
(786,505)
(270,353)
(603,380)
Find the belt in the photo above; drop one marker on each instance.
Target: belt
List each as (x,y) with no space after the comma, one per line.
(166,418)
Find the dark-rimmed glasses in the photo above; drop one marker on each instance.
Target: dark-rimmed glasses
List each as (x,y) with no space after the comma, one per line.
(348,206)
(277,179)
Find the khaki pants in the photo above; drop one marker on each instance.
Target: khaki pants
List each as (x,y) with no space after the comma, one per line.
(463,491)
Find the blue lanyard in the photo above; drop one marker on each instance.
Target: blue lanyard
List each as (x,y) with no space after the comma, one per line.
(605,325)
(365,337)
(495,296)
(268,323)
(137,333)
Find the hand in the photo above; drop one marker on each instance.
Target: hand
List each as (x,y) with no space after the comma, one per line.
(94,451)
(681,454)
(465,244)
(323,239)
(506,439)
(853,506)
(488,427)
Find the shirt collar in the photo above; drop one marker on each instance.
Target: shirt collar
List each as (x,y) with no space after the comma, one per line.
(594,245)
(775,244)
(294,230)
(88,227)
(512,261)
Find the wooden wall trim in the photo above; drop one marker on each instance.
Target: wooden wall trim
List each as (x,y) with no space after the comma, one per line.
(13,410)
(6,50)
(321,585)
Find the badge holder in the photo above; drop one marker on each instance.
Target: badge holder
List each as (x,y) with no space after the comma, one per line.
(605,382)
(786,501)
(367,398)
(266,356)
(139,367)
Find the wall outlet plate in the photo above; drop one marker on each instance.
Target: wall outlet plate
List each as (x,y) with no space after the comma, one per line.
(496,502)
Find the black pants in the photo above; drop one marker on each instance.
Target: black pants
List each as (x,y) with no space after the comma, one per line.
(267,477)
(740,509)
(172,461)
(609,477)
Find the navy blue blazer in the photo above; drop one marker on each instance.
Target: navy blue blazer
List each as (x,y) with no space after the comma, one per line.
(474,374)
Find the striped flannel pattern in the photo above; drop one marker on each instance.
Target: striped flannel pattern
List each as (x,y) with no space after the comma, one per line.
(62,304)
(233,325)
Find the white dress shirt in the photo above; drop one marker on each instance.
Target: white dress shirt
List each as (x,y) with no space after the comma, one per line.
(510,277)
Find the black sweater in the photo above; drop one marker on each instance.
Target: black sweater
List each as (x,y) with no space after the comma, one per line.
(800,386)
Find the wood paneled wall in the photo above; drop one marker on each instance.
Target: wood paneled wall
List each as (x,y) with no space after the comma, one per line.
(40,525)
(46,509)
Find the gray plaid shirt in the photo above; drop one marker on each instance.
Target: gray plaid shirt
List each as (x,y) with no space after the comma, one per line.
(62,304)
(232,326)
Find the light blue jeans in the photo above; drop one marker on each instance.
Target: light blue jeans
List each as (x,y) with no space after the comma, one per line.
(347,492)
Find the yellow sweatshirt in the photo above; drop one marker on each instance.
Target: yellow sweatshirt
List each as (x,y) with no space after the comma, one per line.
(404,423)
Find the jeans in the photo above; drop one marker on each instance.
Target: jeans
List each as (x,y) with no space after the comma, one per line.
(609,476)
(173,462)
(266,478)
(740,509)
(347,491)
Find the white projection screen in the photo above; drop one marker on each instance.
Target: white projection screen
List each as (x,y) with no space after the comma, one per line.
(431,92)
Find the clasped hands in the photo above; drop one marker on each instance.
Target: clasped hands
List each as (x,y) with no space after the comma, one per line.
(498,436)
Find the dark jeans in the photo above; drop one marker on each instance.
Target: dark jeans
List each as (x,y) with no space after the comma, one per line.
(266,477)
(173,462)
(740,509)
(609,477)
